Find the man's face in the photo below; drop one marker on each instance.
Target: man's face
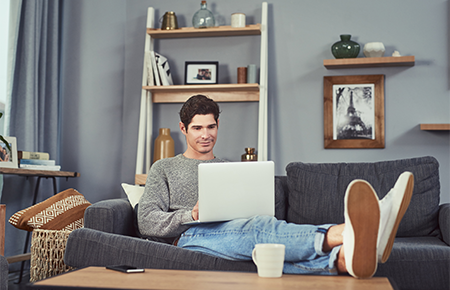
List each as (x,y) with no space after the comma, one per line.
(201,136)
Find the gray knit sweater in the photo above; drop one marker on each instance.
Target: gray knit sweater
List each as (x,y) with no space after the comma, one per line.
(171,192)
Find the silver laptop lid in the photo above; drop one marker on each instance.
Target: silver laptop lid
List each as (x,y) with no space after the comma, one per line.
(234,190)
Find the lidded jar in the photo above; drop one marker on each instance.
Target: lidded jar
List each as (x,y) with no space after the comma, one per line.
(203,18)
(374,49)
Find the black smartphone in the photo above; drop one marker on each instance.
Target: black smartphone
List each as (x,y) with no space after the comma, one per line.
(125,269)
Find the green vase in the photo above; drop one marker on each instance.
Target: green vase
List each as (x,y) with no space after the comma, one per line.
(345,48)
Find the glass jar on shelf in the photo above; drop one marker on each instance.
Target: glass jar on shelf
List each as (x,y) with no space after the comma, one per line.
(203,18)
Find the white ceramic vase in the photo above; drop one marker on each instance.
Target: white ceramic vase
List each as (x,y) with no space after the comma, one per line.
(374,49)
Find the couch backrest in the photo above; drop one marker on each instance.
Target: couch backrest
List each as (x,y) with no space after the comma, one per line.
(316,191)
(281,192)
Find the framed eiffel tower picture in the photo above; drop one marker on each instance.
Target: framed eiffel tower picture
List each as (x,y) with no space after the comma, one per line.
(354,111)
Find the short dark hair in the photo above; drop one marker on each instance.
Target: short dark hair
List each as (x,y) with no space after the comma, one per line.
(198,105)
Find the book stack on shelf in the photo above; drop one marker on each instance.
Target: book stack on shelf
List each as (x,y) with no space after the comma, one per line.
(37,161)
(158,70)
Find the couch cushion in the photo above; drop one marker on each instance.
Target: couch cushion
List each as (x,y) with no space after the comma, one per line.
(316,191)
(281,190)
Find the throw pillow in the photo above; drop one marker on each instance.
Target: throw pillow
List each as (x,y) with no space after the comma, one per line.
(63,211)
(134,193)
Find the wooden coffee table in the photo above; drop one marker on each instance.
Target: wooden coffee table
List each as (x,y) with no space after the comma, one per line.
(101,278)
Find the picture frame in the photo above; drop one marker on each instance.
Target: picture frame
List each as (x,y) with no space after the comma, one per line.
(354,112)
(9,159)
(201,72)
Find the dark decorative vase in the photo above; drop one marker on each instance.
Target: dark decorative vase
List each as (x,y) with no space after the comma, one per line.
(345,48)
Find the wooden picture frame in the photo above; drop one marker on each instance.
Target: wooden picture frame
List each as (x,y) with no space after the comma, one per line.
(354,112)
(9,159)
(201,72)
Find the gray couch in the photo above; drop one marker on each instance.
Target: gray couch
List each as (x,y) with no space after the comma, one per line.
(308,194)
(4,270)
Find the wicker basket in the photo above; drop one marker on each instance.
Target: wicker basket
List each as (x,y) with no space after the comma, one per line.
(47,254)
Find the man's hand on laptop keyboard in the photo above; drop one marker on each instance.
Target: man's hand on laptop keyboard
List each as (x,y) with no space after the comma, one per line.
(195,212)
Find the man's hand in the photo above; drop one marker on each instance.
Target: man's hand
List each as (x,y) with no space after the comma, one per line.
(195,212)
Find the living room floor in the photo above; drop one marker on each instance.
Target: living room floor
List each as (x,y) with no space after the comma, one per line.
(22,286)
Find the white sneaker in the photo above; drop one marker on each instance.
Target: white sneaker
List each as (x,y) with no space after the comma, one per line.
(362,219)
(392,208)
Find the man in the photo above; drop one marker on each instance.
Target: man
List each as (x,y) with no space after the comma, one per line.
(170,199)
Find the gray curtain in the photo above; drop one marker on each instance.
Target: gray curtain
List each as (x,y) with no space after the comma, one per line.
(33,108)
(34,102)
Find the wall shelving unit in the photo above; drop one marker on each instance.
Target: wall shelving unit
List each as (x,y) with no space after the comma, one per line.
(219,92)
(381,62)
(364,62)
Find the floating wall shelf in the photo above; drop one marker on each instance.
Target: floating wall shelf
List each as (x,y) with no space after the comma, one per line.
(435,127)
(369,62)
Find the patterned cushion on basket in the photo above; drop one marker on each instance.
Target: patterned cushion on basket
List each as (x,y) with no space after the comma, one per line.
(63,211)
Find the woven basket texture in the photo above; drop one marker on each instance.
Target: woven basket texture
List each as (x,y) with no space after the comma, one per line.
(47,254)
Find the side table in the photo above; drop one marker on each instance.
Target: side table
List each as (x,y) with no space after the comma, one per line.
(39,174)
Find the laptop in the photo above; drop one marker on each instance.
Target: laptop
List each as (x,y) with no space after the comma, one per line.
(233,190)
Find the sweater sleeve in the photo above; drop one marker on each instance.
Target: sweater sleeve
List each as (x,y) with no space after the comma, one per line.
(155,217)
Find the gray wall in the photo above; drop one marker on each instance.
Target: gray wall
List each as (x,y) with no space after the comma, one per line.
(102,66)
(103,44)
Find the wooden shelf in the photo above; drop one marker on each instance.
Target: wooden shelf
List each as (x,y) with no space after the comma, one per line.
(18,258)
(42,173)
(369,62)
(140,179)
(218,92)
(254,29)
(435,127)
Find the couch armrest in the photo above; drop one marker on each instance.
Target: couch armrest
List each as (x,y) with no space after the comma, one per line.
(444,222)
(114,216)
(86,247)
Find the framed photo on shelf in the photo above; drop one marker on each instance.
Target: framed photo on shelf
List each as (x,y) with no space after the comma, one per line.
(201,72)
(353,111)
(8,156)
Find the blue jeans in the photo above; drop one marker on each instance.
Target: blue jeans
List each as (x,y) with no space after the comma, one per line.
(235,240)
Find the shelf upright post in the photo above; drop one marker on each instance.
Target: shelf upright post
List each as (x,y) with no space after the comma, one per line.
(263,81)
(146,109)
(2,228)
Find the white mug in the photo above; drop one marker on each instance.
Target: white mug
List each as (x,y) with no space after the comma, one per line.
(238,20)
(269,259)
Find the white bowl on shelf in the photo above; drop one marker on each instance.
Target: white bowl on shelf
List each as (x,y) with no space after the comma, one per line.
(374,49)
